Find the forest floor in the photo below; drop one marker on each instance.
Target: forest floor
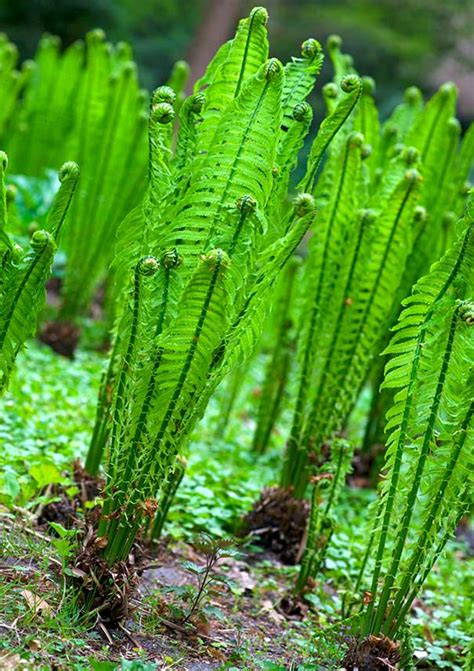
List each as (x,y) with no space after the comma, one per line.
(241,625)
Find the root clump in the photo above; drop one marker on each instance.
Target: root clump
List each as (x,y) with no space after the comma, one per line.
(278,523)
(374,653)
(105,590)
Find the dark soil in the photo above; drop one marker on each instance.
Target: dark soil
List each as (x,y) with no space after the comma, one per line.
(277,522)
(250,622)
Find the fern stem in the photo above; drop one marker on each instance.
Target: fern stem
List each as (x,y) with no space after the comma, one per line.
(313,556)
(166,499)
(335,122)
(127,524)
(116,430)
(101,429)
(141,424)
(191,352)
(428,567)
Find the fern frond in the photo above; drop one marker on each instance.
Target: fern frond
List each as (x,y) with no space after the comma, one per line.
(327,485)
(238,162)
(23,296)
(300,75)
(235,62)
(401,121)
(352,87)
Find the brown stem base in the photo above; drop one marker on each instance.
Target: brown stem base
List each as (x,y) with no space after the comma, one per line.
(64,509)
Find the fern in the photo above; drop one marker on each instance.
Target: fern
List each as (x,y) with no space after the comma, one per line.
(12,83)
(327,485)
(24,273)
(442,198)
(429,432)
(279,363)
(204,218)
(346,313)
(83,103)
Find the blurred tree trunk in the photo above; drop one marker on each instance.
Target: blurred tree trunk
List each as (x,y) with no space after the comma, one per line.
(217,26)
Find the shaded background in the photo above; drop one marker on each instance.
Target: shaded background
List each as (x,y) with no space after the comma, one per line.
(398,42)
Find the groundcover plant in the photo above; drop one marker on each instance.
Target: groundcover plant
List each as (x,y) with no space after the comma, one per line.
(222,266)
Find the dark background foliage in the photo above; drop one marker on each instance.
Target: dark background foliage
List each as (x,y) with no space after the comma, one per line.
(423,42)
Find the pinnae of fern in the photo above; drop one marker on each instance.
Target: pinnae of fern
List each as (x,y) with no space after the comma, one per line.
(69,169)
(197,103)
(330,90)
(303,204)
(333,42)
(273,70)
(148,266)
(368,86)
(246,204)
(349,83)
(40,239)
(171,259)
(413,95)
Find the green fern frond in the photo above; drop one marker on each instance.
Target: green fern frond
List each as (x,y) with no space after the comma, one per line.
(399,124)
(235,62)
(23,275)
(327,485)
(237,163)
(352,87)
(300,75)
(23,293)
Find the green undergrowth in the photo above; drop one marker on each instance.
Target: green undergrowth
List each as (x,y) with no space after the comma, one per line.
(220,485)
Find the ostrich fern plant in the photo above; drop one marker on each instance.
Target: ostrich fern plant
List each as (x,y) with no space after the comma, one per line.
(360,266)
(435,133)
(23,273)
(203,251)
(430,449)
(83,103)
